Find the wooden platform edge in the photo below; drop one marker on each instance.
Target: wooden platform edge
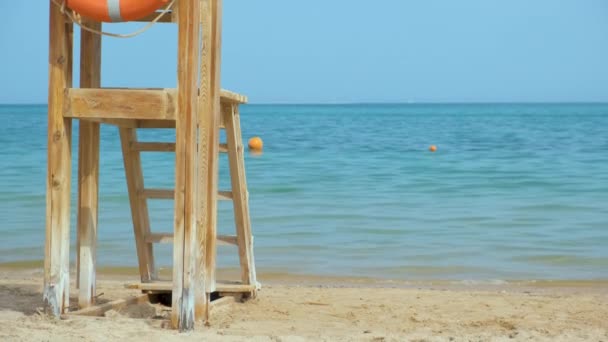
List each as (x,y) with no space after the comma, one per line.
(222,288)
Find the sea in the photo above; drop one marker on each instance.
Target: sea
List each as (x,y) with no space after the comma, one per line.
(513,192)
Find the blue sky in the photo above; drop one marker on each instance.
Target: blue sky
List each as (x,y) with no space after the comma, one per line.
(329,51)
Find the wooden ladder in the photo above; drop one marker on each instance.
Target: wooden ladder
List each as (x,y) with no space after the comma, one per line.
(139,195)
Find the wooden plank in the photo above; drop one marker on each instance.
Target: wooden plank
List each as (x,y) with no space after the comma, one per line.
(230,97)
(240,196)
(222,122)
(208,122)
(184,246)
(226,240)
(99,310)
(128,104)
(224,195)
(160,238)
(113,103)
(170,194)
(155,123)
(56,293)
(158,193)
(154,147)
(126,123)
(169,123)
(139,206)
(110,105)
(223,287)
(88,171)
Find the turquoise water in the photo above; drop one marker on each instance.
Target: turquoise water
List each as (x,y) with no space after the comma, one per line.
(514,191)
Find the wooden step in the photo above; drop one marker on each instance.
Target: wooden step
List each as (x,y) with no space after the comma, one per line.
(167,286)
(170,194)
(224,195)
(165,147)
(154,147)
(159,193)
(225,240)
(139,123)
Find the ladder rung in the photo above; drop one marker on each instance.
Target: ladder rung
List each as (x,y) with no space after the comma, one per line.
(160,238)
(225,240)
(224,195)
(168,286)
(170,194)
(165,147)
(154,147)
(159,193)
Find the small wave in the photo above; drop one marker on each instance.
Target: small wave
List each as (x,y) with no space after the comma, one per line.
(471,282)
(562,260)
(555,207)
(276,190)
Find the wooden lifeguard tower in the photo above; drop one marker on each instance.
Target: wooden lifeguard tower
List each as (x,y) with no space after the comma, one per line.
(197,109)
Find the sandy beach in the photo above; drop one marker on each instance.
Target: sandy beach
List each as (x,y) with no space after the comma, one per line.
(324,309)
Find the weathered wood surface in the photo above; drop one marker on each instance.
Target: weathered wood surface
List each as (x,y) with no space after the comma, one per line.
(168,238)
(88,172)
(229,97)
(122,105)
(167,287)
(170,194)
(186,185)
(155,123)
(56,290)
(208,122)
(154,147)
(118,304)
(108,103)
(139,206)
(193,110)
(240,196)
(224,195)
(159,193)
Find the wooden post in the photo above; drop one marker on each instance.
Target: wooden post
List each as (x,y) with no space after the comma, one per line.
(88,170)
(184,242)
(240,196)
(57,244)
(208,120)
(138,203)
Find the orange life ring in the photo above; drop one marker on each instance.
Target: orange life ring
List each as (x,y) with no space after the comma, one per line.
(115,10)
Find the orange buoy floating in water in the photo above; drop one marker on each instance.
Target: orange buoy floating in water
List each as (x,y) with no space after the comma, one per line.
(433,148)
(256,144)
(115,10)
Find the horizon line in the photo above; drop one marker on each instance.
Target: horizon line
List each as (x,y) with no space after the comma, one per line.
(378,103)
